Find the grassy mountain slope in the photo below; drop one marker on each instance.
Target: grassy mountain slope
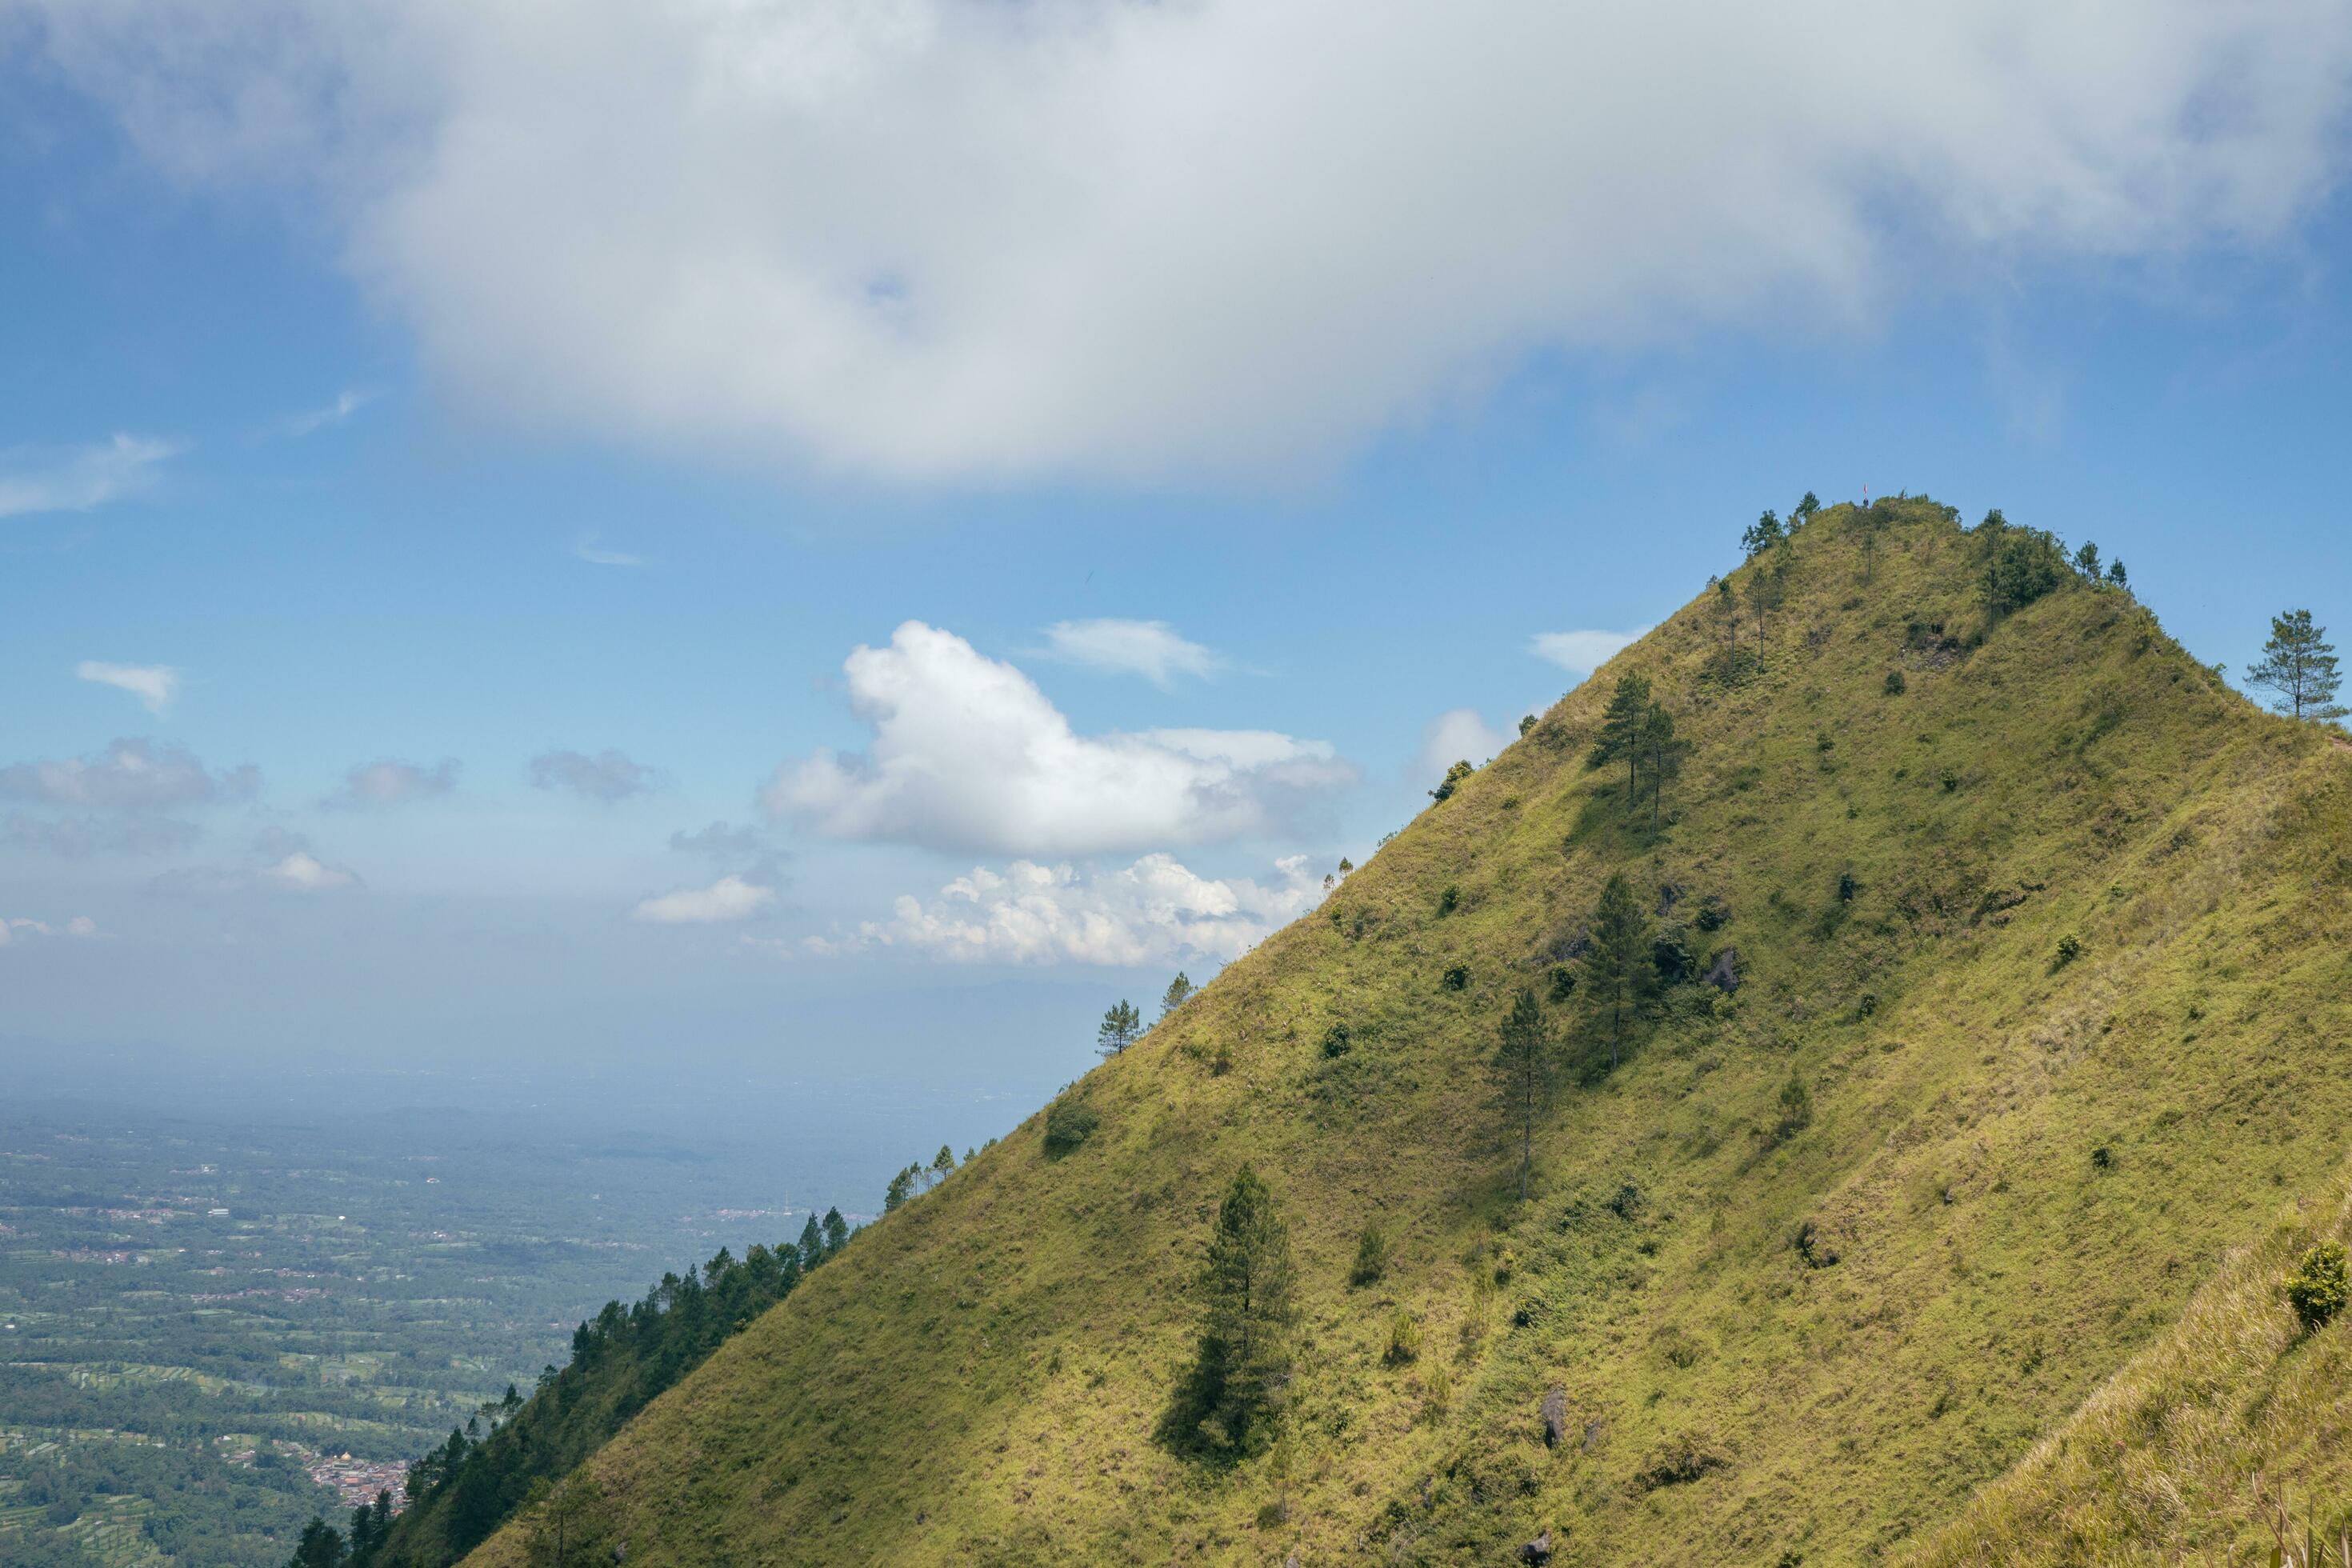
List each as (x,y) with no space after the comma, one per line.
(2022,1170)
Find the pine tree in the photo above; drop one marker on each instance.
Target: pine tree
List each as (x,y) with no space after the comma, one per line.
(1728,607)
(901,1188)
(1523,1068)
(1180,990)
(1621,726)
(836,1231)
(1248,1312)
(321,1546)
(812,1245)
(943,1165)
(1617,963)
(2118,575)
(1663,753)
(1802,512)
(1453,777)
(1121,1027)
(1761,534)
(2298,664)
(1767,588)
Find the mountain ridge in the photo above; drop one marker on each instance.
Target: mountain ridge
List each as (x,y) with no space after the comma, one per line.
(1827,1253)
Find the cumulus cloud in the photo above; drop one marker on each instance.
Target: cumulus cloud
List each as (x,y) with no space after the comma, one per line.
(17,929)
(1583,652)
(1151,649)
(128,776)
(153,684)
(1458,735)
(607,776)
(82,477)
(393,782)
(925,238)
(968,754)
(728,898)
(1154,911)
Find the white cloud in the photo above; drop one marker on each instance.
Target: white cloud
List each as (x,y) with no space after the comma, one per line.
(968,754)
(1153,912)
(14,929)
(153,684)
(348,402)
(728,898)
(587,550)
(607,776)
(1458,735)
(1581,653)
(395,783)
(303,872)
(917,238)
(83,477)
(129,775)
(1151,649)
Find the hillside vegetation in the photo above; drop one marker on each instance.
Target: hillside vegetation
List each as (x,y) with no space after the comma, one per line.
(2032,1075)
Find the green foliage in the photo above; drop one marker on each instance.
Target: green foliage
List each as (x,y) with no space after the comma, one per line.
(1618,970)
(1449,900)
(1457,977)
(1372,1256)
(1453,779)
(1622,724)
(1336,1039)
(1763,534)
(1526,722)
(1894,683)
(1180,989)
(1796,1110)
(1069,1123)
(1405,1340)
(2022,566)
(1228,1404)
(2299,667)
(2319,1286)
(2070,948)
(1563,982)
(1523,1066)
(1121,1027)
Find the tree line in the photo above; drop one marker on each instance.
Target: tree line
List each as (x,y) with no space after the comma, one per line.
(516,1453)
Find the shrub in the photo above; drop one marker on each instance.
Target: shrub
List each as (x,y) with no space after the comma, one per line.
(1068,1124)
(1457,978)
(1372,1256)
(1449,900)
(1796,1110)
(1404,1339)
(1847,887)
(2069,950)
(1868,1005)
(1336,1041)
(2102,1158)
(1274,1515)
(1894,683)
(2318,1288)
(1563,982)
(1454,775)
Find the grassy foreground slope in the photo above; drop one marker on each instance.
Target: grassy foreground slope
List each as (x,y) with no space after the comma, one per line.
(2022,1170)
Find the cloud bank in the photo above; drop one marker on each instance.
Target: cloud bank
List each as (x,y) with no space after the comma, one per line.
(1155,911)
(129,775)
(728,898)
(935,240)
(968,754)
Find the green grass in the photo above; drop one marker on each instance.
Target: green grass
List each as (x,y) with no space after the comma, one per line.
(2023,1169)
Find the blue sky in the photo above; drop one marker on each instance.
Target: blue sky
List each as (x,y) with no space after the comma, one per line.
(384,406)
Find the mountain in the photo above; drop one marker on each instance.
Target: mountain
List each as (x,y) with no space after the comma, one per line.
(1932,1211)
